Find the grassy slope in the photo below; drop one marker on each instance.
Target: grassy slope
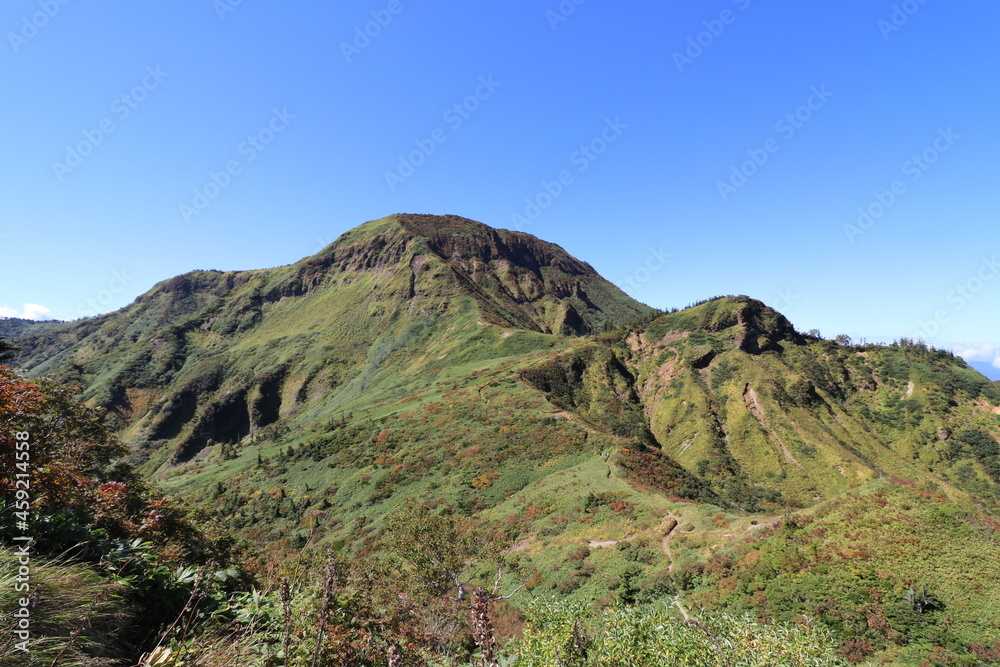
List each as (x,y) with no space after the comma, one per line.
(386,371)
(851,563)
(212,357)
(541,422)
(808,418)
(15,327)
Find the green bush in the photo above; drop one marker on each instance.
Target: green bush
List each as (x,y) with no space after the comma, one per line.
(564,633)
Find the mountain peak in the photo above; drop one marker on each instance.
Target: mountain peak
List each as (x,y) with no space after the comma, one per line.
(453,236)
(517,279)
(754,326)
(238,348)
(437,226)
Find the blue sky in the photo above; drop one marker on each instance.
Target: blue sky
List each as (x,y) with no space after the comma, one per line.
(684,151)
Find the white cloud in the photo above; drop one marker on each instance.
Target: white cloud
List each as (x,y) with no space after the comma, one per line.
(32,311)
(988,352)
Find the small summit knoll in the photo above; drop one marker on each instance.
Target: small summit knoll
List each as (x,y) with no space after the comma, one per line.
(755,327)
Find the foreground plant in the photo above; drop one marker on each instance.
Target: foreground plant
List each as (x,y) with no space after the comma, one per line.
(564,633)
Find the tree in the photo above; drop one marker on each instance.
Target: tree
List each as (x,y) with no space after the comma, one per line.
(69,450)
(432,545)
(7,349)
(442,553)
(74,465)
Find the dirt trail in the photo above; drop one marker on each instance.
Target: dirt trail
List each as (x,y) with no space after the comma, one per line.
(680,605)
(752,527)
(593,544)
(672,526)
(665,544)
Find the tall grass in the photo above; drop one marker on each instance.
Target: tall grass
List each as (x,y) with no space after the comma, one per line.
(74,615)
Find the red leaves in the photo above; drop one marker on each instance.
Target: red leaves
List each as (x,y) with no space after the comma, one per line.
(855,650)
(154,517)
(111,492)
(68,458)
(18,397)
(621,507)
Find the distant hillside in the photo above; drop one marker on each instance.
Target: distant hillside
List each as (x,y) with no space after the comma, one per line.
(724,401)
(15,327)
(774,418)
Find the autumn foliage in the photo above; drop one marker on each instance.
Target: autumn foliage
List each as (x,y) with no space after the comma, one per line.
(73,461)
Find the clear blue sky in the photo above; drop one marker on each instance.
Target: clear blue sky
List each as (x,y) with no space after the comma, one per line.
(868,86)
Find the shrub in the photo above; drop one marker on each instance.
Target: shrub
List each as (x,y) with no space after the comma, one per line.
(564,633)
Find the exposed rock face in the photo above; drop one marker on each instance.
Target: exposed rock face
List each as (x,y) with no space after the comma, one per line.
(763,328)
(516,274)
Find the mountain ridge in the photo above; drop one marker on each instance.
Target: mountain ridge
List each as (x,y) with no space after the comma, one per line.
(389,280)
(434,362)
(213,357)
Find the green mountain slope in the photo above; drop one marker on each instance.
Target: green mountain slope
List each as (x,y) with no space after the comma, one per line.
(892,568)
(211,357)
(625,454)
(732,392)
(15,327)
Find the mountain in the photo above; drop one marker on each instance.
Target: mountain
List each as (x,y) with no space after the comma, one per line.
(16,327)
(210,357)
(724,401)
(625,454)
(732,392)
